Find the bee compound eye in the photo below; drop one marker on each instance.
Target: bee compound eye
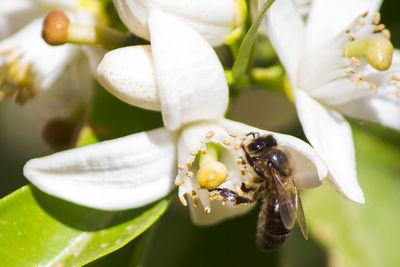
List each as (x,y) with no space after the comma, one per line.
(279,160)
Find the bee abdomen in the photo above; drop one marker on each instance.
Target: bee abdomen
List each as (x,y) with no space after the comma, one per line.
(271,232)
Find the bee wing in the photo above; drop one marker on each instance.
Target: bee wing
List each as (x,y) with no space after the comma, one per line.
(286,200)
(300,216)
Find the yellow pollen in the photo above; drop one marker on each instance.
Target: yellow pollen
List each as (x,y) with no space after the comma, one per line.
(226,142)
(397,95)
(243,170)
(195,202)
(244,137)
(193,153)
(239,190)
(207,210)
(189,174)
(180,182)
(232,135)
(210,134)
(365,14)
(189,164)
(352,37)
(183,201)
(379,27)
(194,193)
(204,151)
(377,18)
(223,202)
(347,31)
(211,175)
(180,167)
(373,86)
(360,78)
(214,197)
(247,184)
(395,78)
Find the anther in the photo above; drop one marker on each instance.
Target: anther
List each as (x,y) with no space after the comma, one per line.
(373,86)
(239,160)
(232,135)
(189,164)
(213,197)
(189,174)
(237,145)
(243,170)
(183,201)
(239,190)
(207,210)
(396,94)
(204,151)
(194,193)
(210,134)
(244,137)
(55,28)
(352,37)
(355,61)
(395,78)
(386,34)
(180,182)
(226,142)
(365,14)
(377,18)
(379,27)
(193,153)
(223,202)
(360,23)
(350,70)
(195,201)
(180,167)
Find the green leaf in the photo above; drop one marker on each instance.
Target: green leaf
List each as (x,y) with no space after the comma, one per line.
(242,60)
(38,229)
(355,234)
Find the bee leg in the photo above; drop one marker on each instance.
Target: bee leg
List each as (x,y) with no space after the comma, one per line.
(254,134)
(245,189)
(233,197)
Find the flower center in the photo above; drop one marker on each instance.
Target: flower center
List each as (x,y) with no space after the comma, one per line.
(16,77)
(211,173)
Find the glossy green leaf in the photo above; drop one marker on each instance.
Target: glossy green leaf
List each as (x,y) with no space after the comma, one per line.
(355,234)
(40,230)
(242,60)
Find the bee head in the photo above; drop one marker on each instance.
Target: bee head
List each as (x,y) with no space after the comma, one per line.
(260,144)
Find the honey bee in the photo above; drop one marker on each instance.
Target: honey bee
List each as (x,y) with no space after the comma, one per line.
(273,183)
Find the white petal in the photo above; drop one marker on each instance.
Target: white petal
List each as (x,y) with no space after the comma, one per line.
(218,213)
(309,169)
(382,110)
(330,135)
(128,73)
(329,17)
(48,62)
(212,19)
(190,78)
(287,34)
(124,173)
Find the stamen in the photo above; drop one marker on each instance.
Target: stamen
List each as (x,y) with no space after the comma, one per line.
(58,30)
(189,174)
(223,202)
(193,153)
(226,142)
(395,78)
(377,18)
(237,145)
(180,182)
(207,210)
(214,197)
(183,201)
(379,27)
(350,70)
(189,164)
(360,23)
(180,167)
(373,86)
(386,34)
(195,202)
(356,61)
(232,135)
(210,134)
(194,193)
(244,137)
(239,160)
(243,170)
(396,94)
(365,14)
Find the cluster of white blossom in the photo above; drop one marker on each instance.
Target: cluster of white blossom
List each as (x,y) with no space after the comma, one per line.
(337,55)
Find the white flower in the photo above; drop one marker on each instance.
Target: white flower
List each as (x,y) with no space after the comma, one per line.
(214,20)
(191,90)
(332,61)
(29,65)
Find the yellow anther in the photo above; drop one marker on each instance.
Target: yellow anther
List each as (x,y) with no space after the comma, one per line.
(395,78)
(243,170)
(360,23)
(356,61)
(214,197)
(386,33)
(195,202)
(193,153)
(207,210)
(180,182)
(189,174)
(210,134)
(397,95)
(211,175)
(226,142)
(183,201)
(373,86)
(55,28)
(377,18)
(379,27)
(180,167)
(232,135)
(237,145)
(365,14)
